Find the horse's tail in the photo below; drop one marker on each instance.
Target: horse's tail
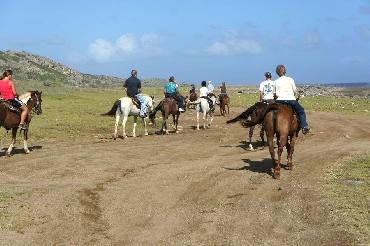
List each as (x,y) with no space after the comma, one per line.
(245,115)
(112,112)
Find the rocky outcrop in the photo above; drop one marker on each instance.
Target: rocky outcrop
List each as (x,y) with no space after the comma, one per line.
(27,66)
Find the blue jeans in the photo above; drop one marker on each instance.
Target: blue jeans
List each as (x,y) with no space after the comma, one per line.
(299,110)
(143,104)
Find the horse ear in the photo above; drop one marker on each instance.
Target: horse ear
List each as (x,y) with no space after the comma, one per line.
(152,97)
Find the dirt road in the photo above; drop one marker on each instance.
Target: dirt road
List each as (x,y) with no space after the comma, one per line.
(193,188)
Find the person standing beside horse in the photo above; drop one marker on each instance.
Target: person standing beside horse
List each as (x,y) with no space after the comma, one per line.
(285,90)
(170,90)
(133,88)
(9,93)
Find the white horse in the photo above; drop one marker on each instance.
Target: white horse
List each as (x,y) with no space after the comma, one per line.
(123,108)
(203,107)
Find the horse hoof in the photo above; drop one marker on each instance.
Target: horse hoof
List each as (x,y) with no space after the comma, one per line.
(176,131)
(276,175)
(27,151)
(8,154)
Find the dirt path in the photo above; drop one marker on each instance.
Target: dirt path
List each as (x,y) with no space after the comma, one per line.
(193,188)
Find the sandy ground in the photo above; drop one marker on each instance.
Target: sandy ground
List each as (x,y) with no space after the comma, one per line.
(192,188)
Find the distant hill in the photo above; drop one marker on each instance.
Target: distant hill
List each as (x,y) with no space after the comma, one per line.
(27,66)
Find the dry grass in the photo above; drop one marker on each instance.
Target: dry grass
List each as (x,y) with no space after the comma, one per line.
(348,189)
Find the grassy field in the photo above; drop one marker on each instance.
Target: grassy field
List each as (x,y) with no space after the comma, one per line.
(348,187)
(75,112)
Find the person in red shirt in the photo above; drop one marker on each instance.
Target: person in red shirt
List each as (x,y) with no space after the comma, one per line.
(8,92)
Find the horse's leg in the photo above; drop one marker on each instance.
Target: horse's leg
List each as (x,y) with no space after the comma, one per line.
(116,127)
(145,130)
(282,143)
(25,138)
(14,135)
(197,120)
(124,126)
(228,109)
(290,151)
(134,127)
(251,129)
(262,133)
(205,119)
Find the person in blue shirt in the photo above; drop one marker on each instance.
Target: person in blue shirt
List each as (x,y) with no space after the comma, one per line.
(170,90)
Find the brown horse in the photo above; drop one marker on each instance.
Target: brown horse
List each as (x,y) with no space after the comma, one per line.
(282,121)
(192,98)
(224,102)
(10,119)
(167,106)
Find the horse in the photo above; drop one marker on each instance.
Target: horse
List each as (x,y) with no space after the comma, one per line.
(167,106)
(279,119)
(224,102)
(202,106)
(192,98)
(251,115)
(125,107)
(10,117)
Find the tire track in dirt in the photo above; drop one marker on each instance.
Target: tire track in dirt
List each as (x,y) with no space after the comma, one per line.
(193,188)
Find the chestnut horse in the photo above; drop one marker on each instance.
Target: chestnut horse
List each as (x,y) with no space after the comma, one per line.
(281,120)
(167,106)
(224,102)
(9,119)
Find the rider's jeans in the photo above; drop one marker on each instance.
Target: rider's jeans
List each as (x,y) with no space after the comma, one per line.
(298,110)
(143,103)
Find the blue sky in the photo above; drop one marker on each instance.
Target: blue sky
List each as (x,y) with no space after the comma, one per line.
(194,40)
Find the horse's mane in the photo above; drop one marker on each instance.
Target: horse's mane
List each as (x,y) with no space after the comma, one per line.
(25,96)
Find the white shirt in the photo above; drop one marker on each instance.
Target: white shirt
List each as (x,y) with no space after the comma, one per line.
(285,88)
(267,89)
(210,88)
(203,91)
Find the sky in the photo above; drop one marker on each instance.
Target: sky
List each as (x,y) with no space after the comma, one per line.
(236,41)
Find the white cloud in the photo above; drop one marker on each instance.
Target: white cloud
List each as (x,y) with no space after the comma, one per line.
(233,43)
(125,46)
(101,50)
(126,43)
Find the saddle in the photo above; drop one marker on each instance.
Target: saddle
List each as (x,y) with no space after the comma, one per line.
(9,106)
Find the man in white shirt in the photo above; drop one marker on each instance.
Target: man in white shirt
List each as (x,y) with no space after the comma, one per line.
(267,89)
(210,87)
(285,90)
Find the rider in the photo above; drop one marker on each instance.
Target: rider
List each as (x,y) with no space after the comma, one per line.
(285,90)
(132,86)
(170,90)
(266,89)
(204,93)
(222,92)
(192,89)
(8,92)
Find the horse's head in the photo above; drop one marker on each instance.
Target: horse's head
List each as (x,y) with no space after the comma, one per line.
(34,102)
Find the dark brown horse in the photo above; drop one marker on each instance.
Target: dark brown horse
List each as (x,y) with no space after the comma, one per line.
(10,118)
(167,106)
(224,102)
(192,98)
(249,117)
(279,120)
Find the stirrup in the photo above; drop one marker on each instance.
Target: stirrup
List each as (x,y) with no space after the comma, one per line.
(23,126)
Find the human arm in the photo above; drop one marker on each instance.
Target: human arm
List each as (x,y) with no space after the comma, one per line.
(13,89)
